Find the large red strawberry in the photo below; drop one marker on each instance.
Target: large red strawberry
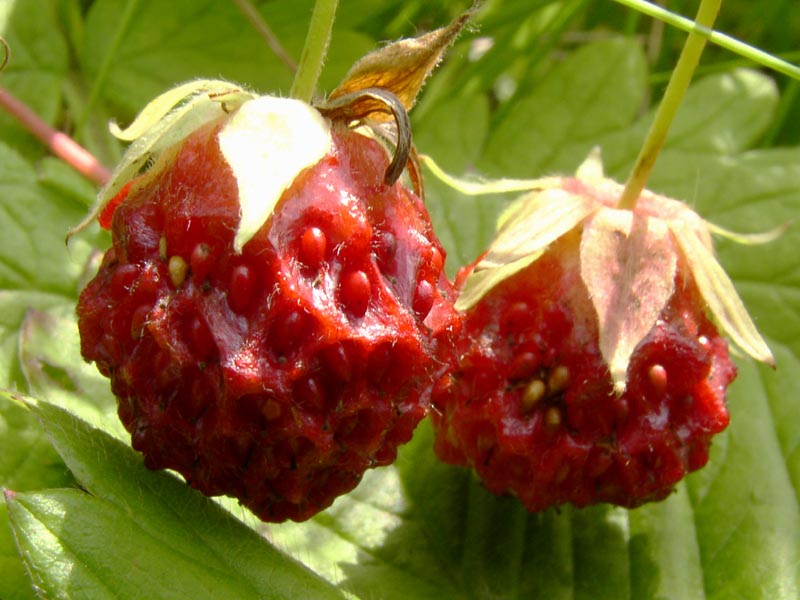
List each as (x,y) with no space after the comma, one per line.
(590,370)
(270,355)
(274,313)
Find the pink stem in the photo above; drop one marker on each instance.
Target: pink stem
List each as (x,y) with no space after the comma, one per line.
(59,143)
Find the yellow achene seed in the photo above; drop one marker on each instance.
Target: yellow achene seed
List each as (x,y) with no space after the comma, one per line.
(177,270)
(533,393)
(558,380)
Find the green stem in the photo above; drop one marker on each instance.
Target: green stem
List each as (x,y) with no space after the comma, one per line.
(676,89)
(315,50)
(720,39)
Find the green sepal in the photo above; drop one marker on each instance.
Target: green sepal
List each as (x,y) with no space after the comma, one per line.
(163,123)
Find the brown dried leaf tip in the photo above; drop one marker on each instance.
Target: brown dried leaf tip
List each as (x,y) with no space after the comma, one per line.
(400,68)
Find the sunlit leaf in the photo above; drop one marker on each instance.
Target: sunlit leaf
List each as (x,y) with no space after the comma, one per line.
(28,461)
(528,93)
(36,70)
(136,532)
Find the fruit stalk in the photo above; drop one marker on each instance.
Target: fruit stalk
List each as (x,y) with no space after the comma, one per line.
(314,50)
(60,144)
(673,95)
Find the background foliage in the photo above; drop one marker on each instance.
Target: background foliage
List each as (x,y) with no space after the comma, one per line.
(530,90)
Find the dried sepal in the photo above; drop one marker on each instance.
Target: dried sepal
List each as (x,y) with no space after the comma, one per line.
(399,67)
(526,228)
(162,124)
(591,169)
(628,260)
(693,236)
(749,239)
(266,165)
(535,221)
(628,263)
(478,186)
(481,282)
(718,291)
(345,108)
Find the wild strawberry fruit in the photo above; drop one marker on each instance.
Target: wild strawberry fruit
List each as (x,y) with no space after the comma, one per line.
(274,313)
(590,370)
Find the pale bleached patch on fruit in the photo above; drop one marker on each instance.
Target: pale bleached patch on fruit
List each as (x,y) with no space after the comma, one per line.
(165,122)
(267,143)
(628,263)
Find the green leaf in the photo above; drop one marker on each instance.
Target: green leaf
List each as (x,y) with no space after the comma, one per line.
(378,540)
(14,305)
(442,135)
(33,222)
(28,461)
(724,114)
(50,358)
(721,115)
(61,180)
(135,532)
(36,69)
(37,271)
(597,89)
(69,532)
(169,42)
(664,552)
(745,506)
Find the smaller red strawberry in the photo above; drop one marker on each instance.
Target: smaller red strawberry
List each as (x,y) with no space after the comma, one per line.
(589,368)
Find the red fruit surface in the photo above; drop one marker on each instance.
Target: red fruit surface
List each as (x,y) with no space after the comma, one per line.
(532,408)
(278,375)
